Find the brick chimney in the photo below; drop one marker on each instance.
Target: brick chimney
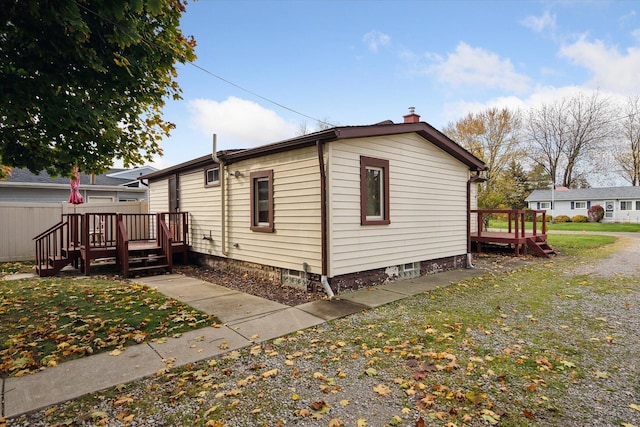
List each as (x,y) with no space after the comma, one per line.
(412,117)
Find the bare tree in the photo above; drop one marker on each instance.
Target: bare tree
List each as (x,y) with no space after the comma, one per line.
(628,156)
(564,136)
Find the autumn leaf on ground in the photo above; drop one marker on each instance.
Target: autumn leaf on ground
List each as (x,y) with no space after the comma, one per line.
(634,406)
(382,389)
(336,422)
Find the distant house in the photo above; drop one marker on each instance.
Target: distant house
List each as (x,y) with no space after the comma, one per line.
(352,205)
(621,204)
(116,185)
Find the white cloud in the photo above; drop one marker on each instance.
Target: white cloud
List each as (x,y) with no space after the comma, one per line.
(469,66)
(539,24)
(375,40)
(239,123)
(636,34)
(612,70)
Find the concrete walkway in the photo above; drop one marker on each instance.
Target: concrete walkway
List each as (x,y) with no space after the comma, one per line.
(247,319)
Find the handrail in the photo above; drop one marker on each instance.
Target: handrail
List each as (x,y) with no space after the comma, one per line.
(165,242)
(516,219)
(122,245)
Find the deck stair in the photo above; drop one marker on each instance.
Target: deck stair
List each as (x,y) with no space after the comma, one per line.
(540,247)
(138,243)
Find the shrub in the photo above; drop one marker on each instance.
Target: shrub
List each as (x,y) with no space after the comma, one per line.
(595,213)
(579,218)
(562,218)
(548,218)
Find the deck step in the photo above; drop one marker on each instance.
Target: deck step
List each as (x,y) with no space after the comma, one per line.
(148,267)
(146,258)
(541,249)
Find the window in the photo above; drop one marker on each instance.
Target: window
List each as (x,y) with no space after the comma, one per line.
(638,205)
(545,205)
(581,205)
(409,270)
(212,177)
(374,191)
(626,205)
(262,201)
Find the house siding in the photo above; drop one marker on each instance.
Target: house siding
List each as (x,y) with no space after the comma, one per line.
(159,196)
(297,223)
(203,205)
(427,205)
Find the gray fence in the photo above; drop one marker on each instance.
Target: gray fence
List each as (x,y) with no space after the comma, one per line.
(21,222)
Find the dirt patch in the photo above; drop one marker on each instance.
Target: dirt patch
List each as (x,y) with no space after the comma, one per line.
(292,296)
(250,284)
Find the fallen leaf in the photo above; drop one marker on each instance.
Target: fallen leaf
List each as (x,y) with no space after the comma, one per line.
(116,352)
(382,389)
(336,422)
(361,422)
(634,406)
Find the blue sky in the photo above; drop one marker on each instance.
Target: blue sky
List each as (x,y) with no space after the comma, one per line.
(362,62)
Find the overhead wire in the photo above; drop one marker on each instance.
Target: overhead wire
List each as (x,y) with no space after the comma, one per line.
(201,68)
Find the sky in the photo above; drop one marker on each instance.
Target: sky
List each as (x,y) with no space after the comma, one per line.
(268,69)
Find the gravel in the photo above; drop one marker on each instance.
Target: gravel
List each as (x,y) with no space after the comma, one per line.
(323,381)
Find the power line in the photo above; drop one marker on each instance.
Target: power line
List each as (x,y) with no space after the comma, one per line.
(193,64)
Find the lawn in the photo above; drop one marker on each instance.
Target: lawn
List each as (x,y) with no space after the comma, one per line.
(573,226)
(47,321)
(540,345)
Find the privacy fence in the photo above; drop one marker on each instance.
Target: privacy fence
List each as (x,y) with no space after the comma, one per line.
(21,222)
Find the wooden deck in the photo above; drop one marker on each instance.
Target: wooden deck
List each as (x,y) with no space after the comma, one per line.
(136,242)
(516,235)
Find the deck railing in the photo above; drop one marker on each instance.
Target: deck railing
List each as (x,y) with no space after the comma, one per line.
(516,219)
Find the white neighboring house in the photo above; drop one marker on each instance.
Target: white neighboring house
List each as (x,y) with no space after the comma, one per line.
(621,204)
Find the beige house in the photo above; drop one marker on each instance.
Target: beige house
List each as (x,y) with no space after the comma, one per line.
(342,208)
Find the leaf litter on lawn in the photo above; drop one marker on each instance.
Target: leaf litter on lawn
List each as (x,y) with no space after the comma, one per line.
(47,321)
(506,348)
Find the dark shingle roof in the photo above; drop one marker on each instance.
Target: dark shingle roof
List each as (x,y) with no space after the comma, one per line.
(25,175)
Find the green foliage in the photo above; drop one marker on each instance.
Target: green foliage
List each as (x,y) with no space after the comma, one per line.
(562,218)
(579,218)
(84,82)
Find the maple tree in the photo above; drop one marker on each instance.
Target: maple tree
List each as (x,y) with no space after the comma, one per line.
(493,136)
(84,81)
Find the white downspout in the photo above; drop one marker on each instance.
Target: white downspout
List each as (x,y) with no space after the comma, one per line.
(215,158)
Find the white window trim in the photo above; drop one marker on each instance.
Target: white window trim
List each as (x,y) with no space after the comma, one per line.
(624,202)
(207,182)
(545,205)
(584,204)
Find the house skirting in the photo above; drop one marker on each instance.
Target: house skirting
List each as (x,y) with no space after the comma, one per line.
(351,281)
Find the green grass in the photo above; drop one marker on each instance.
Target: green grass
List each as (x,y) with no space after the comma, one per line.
(572,244)
(574,226)
(46,321)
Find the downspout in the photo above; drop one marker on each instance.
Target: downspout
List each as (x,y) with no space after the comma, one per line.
(323,222)
(216,159)
(469,264)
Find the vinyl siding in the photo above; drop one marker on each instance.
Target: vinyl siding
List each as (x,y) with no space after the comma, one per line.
(159,196)
(296,193)
(203,205)
(427,205)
